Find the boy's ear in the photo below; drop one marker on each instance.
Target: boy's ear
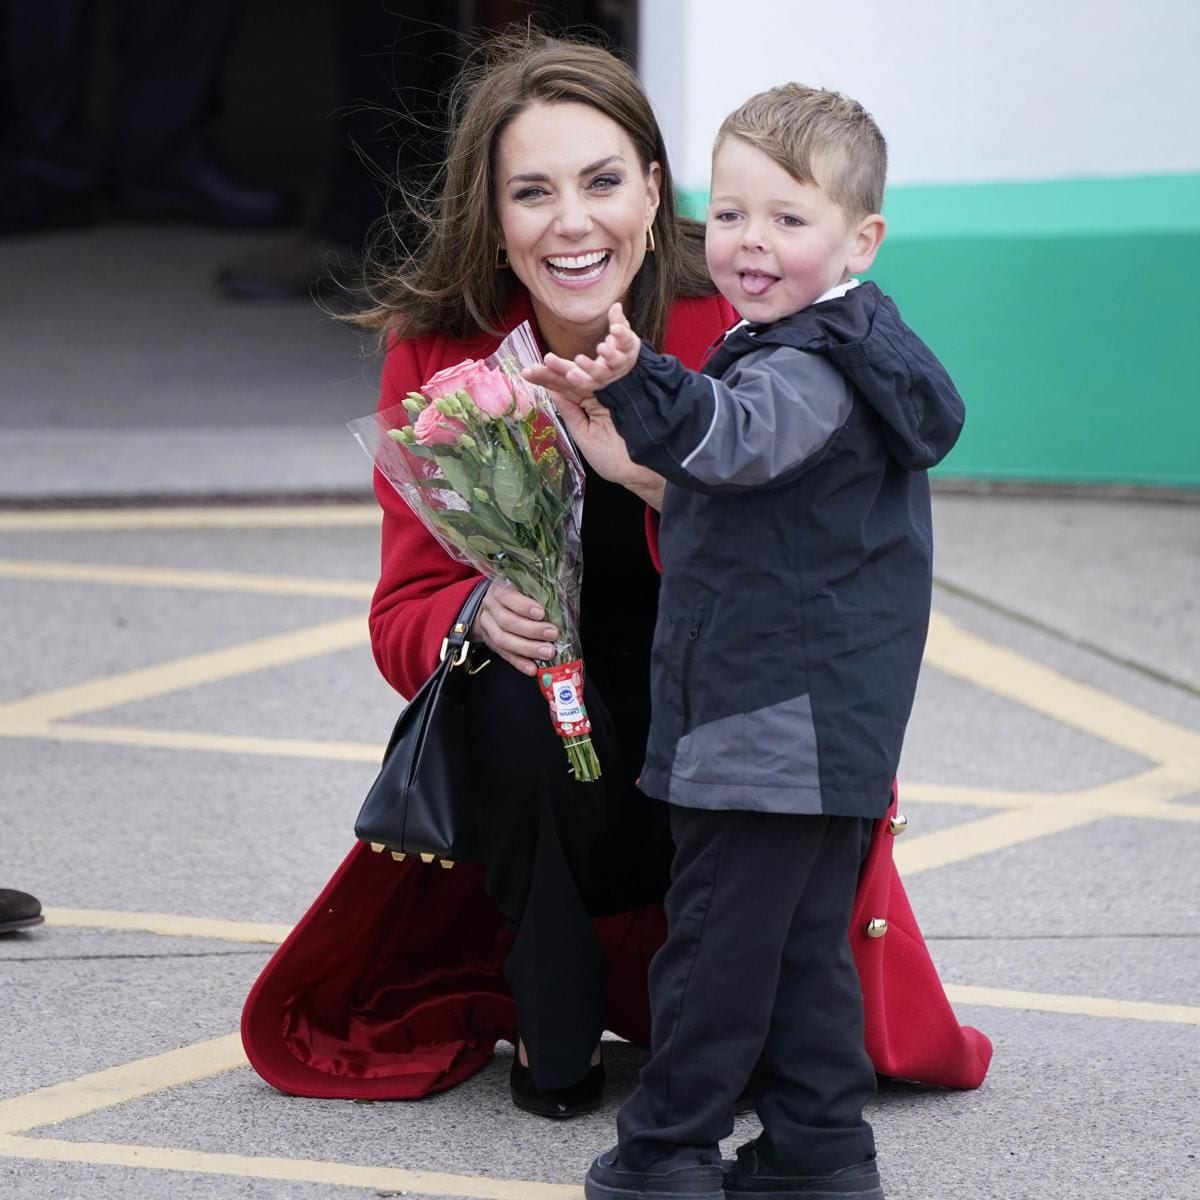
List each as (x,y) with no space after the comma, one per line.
(865,243)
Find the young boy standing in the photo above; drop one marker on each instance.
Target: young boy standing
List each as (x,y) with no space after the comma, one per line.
(796,556)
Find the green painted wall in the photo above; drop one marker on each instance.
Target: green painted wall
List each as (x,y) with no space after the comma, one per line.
(1066,313)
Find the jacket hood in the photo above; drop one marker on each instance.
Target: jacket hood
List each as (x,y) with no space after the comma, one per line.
(863,334)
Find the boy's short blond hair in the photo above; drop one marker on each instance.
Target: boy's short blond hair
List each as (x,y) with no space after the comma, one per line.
(817,136)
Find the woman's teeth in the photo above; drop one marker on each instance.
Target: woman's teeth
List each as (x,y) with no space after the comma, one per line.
(578,266)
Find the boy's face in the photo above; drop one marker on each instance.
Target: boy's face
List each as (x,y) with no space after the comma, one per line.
(773,244)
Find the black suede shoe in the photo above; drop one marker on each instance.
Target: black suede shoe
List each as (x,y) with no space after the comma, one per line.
(749,1178)
(18,910)
(559,1103)
(607,1179)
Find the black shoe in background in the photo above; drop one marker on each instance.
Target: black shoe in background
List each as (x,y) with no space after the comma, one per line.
(301,268)
(40,193)
(197,188)
(18,910)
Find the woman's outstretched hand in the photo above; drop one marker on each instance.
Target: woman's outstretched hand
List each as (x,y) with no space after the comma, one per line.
(514,627)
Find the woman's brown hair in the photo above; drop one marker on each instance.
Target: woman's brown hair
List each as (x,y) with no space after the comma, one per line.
(450,282)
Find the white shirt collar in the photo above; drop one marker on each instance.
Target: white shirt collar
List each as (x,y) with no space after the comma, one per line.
(839,289)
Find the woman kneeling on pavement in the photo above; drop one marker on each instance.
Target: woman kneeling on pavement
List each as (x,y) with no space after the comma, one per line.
(557,201)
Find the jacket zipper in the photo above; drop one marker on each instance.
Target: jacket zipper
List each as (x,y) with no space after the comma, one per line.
(685,675)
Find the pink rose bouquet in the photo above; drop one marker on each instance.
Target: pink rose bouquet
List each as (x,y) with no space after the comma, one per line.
(482,459)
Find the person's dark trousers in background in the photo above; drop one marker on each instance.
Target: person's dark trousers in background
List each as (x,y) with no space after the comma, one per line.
(50,170)
(155,160)
(396,63)
(395,71)
(756,972)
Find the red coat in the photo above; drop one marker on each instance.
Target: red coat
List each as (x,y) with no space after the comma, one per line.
(391,985)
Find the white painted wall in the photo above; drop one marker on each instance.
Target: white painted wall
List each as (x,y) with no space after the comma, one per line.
(964,90)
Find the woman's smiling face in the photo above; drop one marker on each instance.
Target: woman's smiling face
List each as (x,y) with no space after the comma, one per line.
(574,203)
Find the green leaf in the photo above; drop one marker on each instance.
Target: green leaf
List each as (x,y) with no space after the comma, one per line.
(484,546)
(508,481)
(458,474)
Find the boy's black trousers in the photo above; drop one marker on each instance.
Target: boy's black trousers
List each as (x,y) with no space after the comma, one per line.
(756,976)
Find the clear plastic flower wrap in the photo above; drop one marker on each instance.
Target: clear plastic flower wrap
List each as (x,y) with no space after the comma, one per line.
(483,460)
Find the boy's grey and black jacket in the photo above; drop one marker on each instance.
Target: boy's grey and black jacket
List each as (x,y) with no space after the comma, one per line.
(797,555)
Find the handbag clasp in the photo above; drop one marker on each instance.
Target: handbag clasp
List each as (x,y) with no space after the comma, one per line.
(455,640)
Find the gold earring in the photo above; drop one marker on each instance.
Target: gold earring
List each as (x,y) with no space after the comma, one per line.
(649,239)
(501,258)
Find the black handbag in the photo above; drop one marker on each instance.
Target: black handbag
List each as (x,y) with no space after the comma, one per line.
(422,801)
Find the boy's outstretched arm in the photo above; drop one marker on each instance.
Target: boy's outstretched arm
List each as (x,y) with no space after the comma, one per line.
(615,357)
(766,420)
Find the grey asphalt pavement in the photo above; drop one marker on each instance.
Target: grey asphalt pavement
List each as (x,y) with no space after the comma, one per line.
(176,795)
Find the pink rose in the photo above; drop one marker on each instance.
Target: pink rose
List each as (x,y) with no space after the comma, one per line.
(490,390)
(433,428)
(449,381)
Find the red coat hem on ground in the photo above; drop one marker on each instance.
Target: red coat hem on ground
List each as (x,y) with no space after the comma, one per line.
(391,985)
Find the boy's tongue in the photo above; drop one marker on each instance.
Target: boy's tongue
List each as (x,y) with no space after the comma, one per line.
(755,284)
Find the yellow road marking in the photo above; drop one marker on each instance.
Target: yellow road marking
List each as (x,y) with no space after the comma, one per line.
(1140,797)
(118,1085)
(178,578)
(988,834)
(1021,817)
(190,671)
(293,1170)
(212,743)
(301,516)
(1008,674)
(168,925)
(1086,1006)
(216,929)
(131,1081)
(968,797)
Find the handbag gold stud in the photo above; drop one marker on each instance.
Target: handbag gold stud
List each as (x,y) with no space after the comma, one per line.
(428,858)
(898,824)
(447,863)
(399,856)
(377,847)
(876,927)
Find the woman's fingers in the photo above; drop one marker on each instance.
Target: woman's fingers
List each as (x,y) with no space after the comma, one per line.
(515,627)
(558,375)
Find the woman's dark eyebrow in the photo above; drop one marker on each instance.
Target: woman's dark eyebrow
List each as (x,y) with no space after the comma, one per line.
(600,163)
(542,177)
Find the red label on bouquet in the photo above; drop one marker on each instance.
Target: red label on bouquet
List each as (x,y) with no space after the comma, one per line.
(563,688)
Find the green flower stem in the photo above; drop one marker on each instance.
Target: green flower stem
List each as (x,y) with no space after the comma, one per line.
(581,754)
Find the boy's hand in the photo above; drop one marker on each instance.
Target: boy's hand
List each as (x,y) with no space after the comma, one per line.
(582,377)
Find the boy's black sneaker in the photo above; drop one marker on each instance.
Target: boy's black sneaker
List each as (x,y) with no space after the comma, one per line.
(18,910)
(749,1178)
(608,1180)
